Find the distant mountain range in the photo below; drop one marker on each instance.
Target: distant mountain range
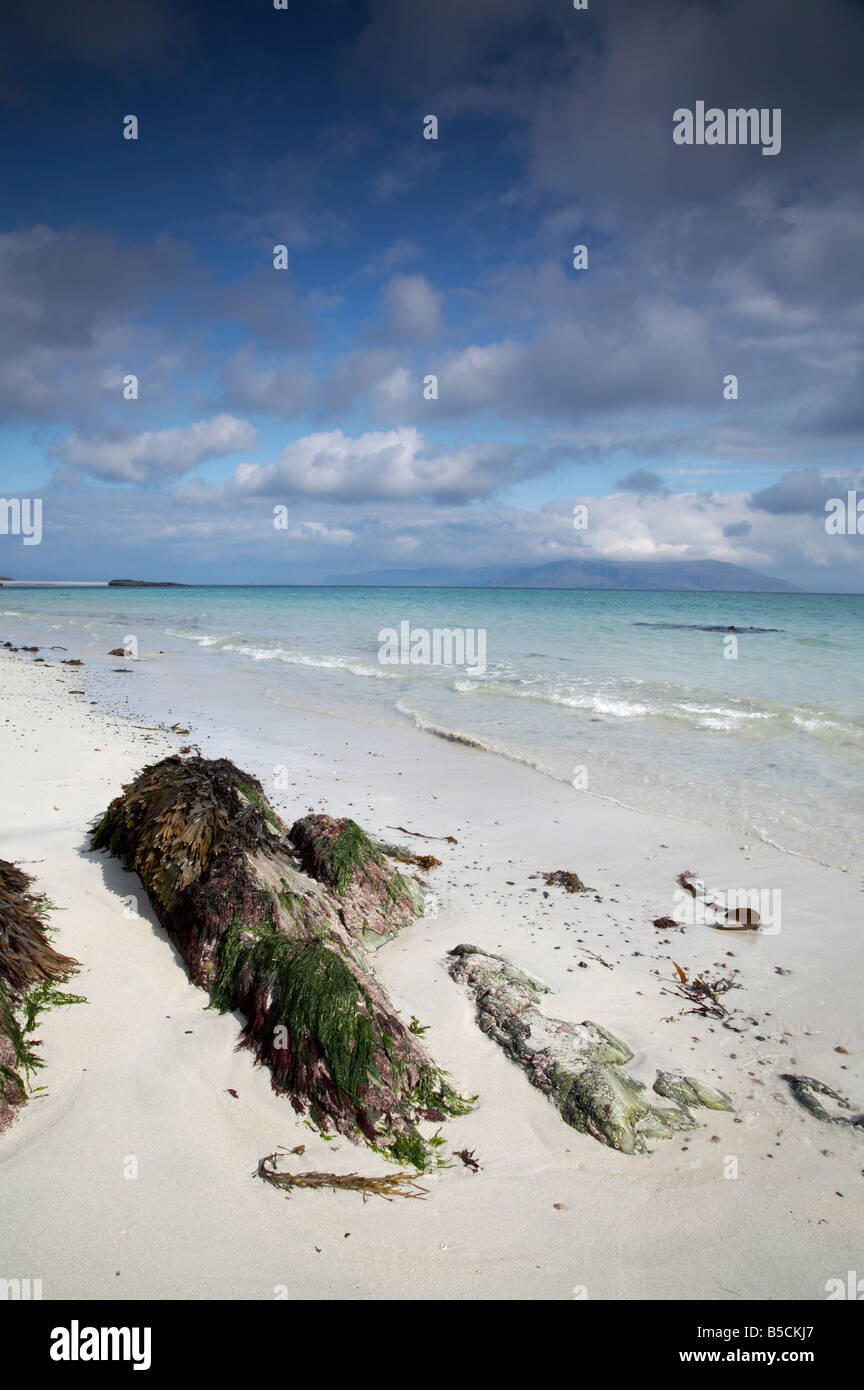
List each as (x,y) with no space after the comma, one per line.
(709,576)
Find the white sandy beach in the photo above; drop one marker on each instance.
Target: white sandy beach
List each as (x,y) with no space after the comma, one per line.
(143,1069)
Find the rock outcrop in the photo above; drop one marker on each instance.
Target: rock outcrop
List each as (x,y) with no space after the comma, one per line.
(578,1065)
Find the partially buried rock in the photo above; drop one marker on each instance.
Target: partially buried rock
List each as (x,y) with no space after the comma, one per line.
(686,1091)
(805,1089)
(578,1065)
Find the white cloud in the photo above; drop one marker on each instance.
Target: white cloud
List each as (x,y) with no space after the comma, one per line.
(153,454)
(316,531)
(383,464)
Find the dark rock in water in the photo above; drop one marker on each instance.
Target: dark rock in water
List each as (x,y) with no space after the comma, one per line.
(144,584)
(805,1089)
(118,651)
(283,945)
(578,1065)
(713,627)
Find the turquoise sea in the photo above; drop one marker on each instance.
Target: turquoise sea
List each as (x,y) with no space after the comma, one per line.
(622,693)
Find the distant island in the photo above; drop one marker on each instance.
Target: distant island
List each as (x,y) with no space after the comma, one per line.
(144,584)
(689,576)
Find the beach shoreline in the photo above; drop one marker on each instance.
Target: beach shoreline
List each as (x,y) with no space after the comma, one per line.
(143,1071)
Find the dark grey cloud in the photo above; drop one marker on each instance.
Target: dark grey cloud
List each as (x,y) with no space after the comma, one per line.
(737,528)
(78,314)
(57,286)
(803,491)
(415,48)
(640,480)
(98,34)
(590,95)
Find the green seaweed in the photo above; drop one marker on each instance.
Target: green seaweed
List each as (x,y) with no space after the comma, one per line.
(409,1148)
(33,1003)
(260,801)
(434,1092)
(349,850)
(352,850)
(314,994)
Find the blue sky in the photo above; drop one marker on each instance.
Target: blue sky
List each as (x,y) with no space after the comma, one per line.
(304,387)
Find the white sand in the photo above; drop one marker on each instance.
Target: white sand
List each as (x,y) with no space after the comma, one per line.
(143,1070)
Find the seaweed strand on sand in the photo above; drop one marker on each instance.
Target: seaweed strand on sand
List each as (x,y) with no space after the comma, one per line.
(274,922)
(389,1186)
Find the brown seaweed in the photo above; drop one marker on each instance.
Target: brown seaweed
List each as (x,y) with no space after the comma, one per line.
(389,1186)
(26,955)
(566,879)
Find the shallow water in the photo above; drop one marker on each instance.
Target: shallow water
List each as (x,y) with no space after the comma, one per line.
(625,693)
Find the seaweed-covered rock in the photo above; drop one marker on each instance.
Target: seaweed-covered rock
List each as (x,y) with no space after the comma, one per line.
(578,1065)
(282,944)
(29,971)
(375,899)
